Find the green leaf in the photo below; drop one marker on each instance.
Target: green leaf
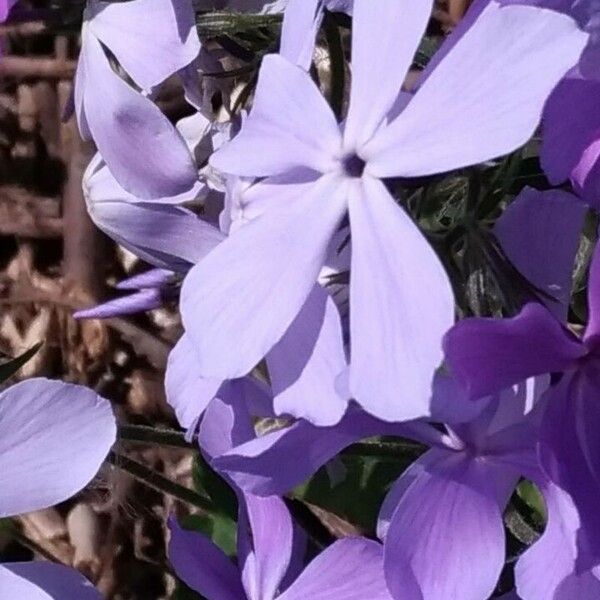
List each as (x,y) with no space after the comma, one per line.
(531,495)
(220,529)
(358,496)
(207,481)
(9,368)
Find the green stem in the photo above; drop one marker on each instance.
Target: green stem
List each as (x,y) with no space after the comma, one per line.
(396,450)
(215,24)
(159,482)
(152,435)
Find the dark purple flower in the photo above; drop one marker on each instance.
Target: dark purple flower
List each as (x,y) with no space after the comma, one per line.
(491,354)
(44,581)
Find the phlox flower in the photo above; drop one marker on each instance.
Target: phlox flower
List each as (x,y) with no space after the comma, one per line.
(147,291)
(349,569)
(462,484)
(53,439)
(173,239)
(151,40)
(270,548)
(489,354)
(246,293)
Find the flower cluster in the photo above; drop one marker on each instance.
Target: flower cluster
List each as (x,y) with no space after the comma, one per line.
(321,293)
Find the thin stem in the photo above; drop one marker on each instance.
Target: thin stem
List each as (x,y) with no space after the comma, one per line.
(159,482)
(152,435)
(396,450)
(216,24)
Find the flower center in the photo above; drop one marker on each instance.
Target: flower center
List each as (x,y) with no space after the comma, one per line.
(354,165)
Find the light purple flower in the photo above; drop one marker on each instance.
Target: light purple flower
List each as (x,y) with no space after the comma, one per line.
(303,366)
(443,516)
(349,569)
(45,425)
(248,291)
(490,354)
(303,369)
(270,548)
(149,291)
(144,152)
(160,232)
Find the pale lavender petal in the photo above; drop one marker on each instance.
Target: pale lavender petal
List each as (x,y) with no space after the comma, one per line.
(149,279)
(489,355)
(100,184)
(474,106)
(290,125)
(474,11)
(187,392)
(394,350)
(592,330)
(266,543)
(203,566)
(539,233)
(451,494)
(142,149)
(227,422)
(163,41)
(162,234)
(126,305)
(551,559)
(398,26)
(301,22)
(349,569)
(244,295)
(80,85)
(247,199)
(280,460)
(45,425)
(44,581)
(304,364)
